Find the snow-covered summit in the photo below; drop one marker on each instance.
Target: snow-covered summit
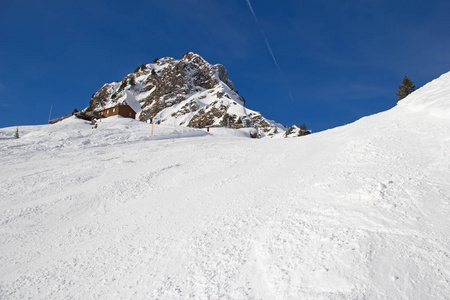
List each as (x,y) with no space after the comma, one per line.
(188,92)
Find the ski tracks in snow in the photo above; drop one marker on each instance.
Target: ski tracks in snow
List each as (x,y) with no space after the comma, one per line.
(211,217)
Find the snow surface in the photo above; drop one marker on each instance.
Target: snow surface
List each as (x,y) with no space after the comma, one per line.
(359,211)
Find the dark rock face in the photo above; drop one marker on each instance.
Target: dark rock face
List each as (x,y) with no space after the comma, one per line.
(223,75)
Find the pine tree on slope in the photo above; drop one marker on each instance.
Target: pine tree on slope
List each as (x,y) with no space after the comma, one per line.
(406,88)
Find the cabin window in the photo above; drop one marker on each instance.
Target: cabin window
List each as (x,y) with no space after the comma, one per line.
(129,114)
(107,112)
(114,109)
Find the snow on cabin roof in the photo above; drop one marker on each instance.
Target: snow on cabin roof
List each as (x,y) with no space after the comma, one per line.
(116,105)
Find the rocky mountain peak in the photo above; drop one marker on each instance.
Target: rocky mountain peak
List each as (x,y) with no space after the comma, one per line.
(187,92)
(193,57)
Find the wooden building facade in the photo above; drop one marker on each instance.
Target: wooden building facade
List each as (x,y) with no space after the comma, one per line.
(123,110)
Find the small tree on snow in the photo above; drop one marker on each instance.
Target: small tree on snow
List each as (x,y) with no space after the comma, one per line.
(16,134)
(406,88)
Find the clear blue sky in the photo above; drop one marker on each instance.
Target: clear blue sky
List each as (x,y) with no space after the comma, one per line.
(333,61)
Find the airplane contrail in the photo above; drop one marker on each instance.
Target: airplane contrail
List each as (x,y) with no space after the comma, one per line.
(263,33)
(266,40)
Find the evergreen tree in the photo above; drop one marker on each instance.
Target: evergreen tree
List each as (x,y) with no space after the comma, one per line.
(406,88)
(16,135)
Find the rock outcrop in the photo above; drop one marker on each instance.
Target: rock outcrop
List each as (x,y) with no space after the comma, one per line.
(187,92)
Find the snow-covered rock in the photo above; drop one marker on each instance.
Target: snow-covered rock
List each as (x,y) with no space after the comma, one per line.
(187,92)
(295,131)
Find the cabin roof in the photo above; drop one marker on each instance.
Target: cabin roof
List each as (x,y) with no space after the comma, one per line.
(116,105)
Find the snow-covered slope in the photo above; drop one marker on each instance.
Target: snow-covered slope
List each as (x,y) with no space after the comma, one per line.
(187,92)
(359,211)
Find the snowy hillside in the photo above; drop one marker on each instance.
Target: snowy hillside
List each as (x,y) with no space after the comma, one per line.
(187,92)
(359,211)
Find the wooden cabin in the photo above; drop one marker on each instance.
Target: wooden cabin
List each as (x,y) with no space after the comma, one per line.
(123,110)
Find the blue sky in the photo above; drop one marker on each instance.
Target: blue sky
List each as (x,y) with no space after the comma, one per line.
(332,62)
